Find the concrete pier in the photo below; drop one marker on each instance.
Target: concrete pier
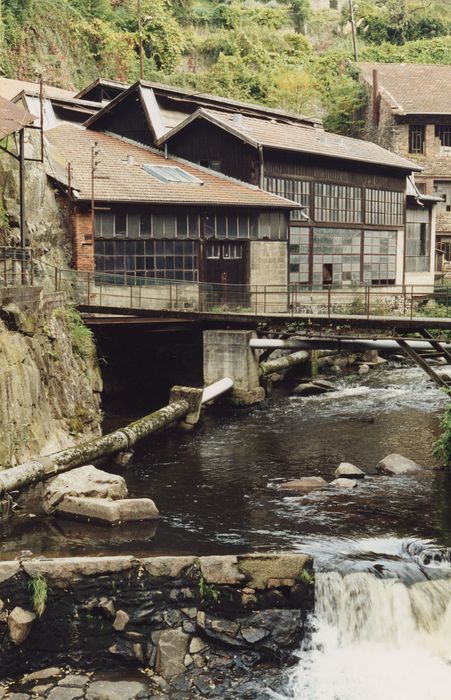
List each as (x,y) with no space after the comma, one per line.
(227,354)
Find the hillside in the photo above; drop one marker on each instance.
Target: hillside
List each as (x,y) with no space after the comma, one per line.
(287,53)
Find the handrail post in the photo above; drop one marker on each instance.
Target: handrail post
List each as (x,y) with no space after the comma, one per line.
(88,301)
(411,301)
(328,301)
(447,300)
(368,308)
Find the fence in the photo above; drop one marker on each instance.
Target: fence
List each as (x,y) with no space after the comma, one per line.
(105,290)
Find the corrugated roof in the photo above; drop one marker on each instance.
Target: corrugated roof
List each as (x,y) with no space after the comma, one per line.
(10,88)
(117,181)
(412,88)
(294,137)
(12,118)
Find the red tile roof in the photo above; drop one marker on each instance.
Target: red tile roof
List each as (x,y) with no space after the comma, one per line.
(412,88)
(117,181)
(272,133)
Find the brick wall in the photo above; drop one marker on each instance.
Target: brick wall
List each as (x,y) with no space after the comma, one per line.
(82,241)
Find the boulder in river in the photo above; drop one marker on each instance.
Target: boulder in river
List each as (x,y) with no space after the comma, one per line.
(344,483)
(346,470)
(397,464)
(303,485)
(87,481)
(316,386)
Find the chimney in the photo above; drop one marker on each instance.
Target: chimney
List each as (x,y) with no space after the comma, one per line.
(130,160)
(237,119)
(376,98)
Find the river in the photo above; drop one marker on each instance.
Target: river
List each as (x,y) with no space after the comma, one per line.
(382,625)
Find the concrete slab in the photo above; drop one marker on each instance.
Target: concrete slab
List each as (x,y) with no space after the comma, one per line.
(107,511)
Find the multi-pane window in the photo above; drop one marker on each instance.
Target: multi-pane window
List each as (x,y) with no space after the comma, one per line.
(336,256)
(148,259)
(232,226)
(296,190)
(443,133)
(417,247)
(416,138)
(384,207)
(338,203)
(299,255)
(379,260)
(224,251)
(148,225)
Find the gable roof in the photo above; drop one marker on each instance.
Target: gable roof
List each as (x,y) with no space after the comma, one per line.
(190,101)
(412,88)
(296,138)
(10,88)
(120,176)
(12,118)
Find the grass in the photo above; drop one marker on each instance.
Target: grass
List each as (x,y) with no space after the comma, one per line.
(39,591)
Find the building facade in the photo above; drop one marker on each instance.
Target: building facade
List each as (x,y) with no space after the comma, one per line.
(409,112)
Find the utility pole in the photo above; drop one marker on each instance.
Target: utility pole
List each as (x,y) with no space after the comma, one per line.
(140,33)
(94,164)
(354,31)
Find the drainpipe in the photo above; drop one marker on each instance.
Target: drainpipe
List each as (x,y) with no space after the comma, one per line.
(376,98)
(262,168)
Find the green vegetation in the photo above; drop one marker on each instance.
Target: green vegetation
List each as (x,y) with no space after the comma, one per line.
(442,449)
(81,335)
(306,577)
(280,53)
(38,588)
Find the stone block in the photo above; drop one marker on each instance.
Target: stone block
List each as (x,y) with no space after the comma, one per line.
(121,621)
(168,567)
(221,570)
(64,570)
(20,622)
(172,647)
(104,510)
(116,690)
(193,396)
(397,464)
(8,569)
(260,569)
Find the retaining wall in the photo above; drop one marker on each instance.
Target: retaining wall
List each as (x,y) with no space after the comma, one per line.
(166,614)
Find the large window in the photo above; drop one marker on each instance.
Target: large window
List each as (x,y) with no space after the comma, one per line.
(296,190)
(417,247)
(416,138)
(148,259)
(384,207)
(148,225)
(338,203)
(379,260)
(336,255)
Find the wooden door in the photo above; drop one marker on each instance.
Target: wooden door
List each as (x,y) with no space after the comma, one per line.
(225,272)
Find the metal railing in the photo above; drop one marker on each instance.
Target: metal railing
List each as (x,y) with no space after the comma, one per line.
(107,290)
(16,266)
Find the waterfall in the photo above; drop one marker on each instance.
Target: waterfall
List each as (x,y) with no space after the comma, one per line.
(376,638)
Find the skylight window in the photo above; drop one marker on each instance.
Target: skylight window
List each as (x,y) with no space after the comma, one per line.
(171,174)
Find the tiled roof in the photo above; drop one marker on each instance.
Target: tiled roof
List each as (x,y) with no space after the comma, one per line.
(412,88)
(295,137)
(12,118)
(117,181)
(10,88)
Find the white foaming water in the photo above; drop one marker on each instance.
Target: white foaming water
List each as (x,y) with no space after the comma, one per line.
(376,638)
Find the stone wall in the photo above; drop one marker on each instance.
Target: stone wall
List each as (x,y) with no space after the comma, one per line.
(170,615)
(49,379)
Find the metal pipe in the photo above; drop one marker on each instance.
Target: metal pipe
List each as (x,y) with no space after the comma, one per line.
(338,344)
(118,441)
(216,389)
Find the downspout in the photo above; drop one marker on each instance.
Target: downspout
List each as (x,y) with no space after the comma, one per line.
(376,98)
(262,168)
